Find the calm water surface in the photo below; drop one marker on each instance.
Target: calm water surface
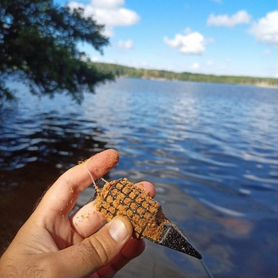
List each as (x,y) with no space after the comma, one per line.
(210,149)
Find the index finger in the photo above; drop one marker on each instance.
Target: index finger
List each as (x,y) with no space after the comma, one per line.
(62,195)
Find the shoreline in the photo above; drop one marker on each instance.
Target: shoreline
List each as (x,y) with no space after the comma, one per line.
(155,74)
(258,85)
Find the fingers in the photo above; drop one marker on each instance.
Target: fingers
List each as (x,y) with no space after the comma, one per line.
(62,195)
(88,220)
(148,187)
(95,251)
(131,250)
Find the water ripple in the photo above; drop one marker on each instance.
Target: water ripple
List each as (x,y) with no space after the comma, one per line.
(210,149)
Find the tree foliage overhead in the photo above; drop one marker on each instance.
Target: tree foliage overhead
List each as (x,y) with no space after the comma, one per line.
(38,44)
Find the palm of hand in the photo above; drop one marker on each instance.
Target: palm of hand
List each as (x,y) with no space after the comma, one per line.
(50,231)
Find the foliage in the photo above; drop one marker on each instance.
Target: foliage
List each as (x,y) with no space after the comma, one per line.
(120,70)
(38,44)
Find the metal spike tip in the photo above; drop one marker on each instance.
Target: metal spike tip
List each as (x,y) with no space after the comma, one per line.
(174,239)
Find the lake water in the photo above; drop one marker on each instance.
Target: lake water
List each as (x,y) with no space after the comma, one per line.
(210,149)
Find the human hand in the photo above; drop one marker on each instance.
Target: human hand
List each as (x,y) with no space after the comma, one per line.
(53,244)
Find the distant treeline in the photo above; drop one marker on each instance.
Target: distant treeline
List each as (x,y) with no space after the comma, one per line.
(124,71)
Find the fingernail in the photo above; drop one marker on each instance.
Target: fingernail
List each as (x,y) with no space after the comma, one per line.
(118,230)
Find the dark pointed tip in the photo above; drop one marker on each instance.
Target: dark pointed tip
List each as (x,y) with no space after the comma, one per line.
(174,239)
(197,254)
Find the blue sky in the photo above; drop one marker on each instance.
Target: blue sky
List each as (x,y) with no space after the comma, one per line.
(206,36)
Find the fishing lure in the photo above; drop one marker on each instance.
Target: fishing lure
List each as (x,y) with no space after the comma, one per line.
(122,197)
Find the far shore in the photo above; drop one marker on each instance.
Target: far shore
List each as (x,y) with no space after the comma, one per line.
(153,74)
(265,85)
(259,84)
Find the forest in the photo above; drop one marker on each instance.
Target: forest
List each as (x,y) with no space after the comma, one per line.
(125,71)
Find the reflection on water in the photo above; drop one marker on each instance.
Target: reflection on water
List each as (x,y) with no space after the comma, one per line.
(210,149)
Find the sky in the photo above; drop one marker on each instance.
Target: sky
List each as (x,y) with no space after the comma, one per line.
(223,37)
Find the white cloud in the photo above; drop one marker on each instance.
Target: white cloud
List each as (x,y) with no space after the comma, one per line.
(108,4)
(128,44)
(189,43)
(111,13)
(266,28)
(241,17)
(195,66)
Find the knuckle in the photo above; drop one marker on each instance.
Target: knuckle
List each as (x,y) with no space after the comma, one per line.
(99,252)
(63,179)
(67,182)
(86,253)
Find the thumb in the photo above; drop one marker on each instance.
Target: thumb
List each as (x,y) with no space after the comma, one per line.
(95,251)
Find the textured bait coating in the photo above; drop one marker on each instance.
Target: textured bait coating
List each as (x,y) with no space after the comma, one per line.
(121,197)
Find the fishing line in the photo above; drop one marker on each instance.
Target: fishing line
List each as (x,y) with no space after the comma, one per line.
(206,268)
(91,176)
(202,262)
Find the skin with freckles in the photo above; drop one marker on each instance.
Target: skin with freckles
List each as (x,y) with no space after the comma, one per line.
(52,244)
